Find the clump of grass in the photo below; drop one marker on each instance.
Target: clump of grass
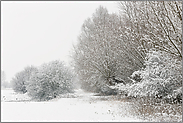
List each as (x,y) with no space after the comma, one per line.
(156,110)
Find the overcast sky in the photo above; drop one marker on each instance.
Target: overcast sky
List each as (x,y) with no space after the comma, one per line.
(36,32)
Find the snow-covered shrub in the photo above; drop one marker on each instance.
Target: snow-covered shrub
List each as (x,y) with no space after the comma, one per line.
(166,68)
(107,90)
(162,75)
(50,80)
(175,97)
(21,79)
(161,78)
(120,88)
(136,76)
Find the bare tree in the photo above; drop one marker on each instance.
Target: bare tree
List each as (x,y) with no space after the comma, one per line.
(103,51)
(154,24)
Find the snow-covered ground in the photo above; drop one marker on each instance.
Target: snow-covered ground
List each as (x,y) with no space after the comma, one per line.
(83,107)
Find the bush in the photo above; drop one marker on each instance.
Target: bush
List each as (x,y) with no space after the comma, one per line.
(136,76)
(161,78)
(163,70)
(49,81)
(21,79)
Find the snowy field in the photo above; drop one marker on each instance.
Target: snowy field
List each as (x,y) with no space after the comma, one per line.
(82,107)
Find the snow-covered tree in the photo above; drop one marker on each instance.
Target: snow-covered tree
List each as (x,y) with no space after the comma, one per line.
(21,79)
(3,76)
(50,80)
(154,24)
(103,51)
(4,82)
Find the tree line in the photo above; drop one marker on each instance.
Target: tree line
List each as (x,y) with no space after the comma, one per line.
(140,46)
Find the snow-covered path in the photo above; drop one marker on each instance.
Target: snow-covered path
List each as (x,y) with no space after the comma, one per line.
(85,107)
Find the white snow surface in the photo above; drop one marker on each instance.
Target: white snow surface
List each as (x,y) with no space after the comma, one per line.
(85,107)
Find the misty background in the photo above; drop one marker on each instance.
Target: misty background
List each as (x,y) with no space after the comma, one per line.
(37,32)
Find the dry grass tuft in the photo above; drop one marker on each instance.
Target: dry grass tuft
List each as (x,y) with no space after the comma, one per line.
(155,110)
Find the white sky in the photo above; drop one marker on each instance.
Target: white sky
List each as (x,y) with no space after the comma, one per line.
(36,32)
